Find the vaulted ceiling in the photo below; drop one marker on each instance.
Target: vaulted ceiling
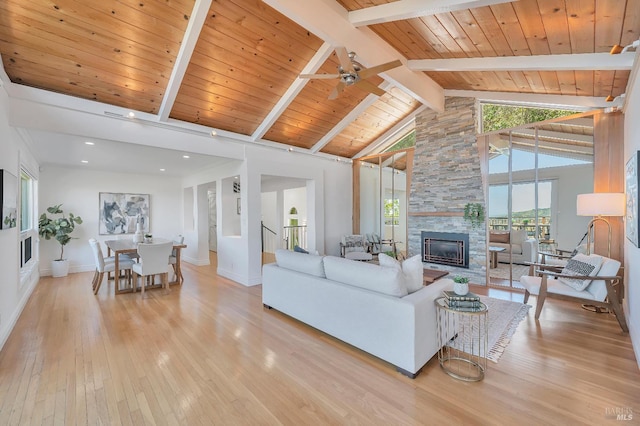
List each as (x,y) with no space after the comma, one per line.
(233,65)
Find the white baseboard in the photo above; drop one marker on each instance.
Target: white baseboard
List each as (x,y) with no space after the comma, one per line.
(46,272)
(195,261)
(238,278)
(5,332)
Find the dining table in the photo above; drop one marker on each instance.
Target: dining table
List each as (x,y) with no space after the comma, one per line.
(128,246)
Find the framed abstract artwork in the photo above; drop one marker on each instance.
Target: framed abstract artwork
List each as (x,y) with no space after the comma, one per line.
(631,188)
(8,199)
(120,213)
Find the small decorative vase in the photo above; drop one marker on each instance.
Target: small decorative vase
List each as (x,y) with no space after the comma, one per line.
(138,237)
(461,288)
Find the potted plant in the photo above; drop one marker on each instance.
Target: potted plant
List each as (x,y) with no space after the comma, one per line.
(59,228)
(474,213)
(461,285)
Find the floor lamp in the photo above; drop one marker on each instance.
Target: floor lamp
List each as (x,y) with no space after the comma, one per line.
(598,205)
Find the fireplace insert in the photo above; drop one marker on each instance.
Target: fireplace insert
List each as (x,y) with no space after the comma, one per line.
(445,248)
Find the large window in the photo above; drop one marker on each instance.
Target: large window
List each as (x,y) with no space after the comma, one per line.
(28,231)
(523,215)
(392,211)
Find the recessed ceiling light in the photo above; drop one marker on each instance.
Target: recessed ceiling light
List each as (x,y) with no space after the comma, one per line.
(162,170)
(185,156)
(84,161)
(213,133)
(89,143)
(131,114)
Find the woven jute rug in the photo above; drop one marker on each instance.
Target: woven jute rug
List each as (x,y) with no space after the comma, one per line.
(503,317)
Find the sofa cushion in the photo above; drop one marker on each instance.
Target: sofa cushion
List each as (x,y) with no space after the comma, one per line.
(372,277)
(411,268)
(300,262)
(499,237)
(518,236)
(581,264)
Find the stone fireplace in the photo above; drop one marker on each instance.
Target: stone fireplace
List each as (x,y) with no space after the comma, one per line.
(446,248)
(446,176)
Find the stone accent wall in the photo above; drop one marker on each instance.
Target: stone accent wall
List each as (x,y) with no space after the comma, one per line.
(446,176)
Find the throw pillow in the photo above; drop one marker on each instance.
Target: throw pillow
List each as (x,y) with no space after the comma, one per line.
(300,249)
(411,270)
(581,264)
(499,237)
(388,261)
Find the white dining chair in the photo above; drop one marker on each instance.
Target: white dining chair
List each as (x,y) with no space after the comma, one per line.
(107,264)
(154,260)
(173,259)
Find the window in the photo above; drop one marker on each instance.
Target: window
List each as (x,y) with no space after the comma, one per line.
(26,202)
(497,117)
(523,214)
(28,230)
(392,211)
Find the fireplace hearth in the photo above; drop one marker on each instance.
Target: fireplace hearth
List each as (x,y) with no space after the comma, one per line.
(445,248)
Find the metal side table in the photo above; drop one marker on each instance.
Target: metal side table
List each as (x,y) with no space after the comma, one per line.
(463,339)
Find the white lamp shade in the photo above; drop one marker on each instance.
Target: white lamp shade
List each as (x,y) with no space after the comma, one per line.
(601,204)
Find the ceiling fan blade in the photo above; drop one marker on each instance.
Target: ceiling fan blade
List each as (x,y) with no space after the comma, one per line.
(336,90)
(320,76)
(368,72)
(369,87)
(345,60)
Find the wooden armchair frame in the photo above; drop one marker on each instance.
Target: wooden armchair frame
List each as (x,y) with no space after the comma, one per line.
(560,254)
(615,292)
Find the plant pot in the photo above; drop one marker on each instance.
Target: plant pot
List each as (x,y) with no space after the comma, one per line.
(460,288)
(59,268)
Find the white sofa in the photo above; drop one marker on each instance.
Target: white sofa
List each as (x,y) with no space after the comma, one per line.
(523,249)
(360,303)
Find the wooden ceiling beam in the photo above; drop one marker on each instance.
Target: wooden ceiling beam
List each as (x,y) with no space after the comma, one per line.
(298,84)
(534,99)
(329,21)
(579,139)
(407,9)
(564,62)
(191,35)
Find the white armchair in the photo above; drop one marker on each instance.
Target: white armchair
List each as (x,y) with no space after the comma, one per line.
(355,247)
(586,279)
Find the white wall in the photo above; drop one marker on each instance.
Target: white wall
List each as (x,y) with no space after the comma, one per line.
(77,190)
(14,289)
(631,252)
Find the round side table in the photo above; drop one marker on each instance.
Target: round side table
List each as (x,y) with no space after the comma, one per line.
(463,339)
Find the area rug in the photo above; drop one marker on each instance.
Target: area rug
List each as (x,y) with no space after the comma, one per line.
(502,271)
(503,318)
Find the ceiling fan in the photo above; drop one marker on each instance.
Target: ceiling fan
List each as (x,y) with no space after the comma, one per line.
(352,73)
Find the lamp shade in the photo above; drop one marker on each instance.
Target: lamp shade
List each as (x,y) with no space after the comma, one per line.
(601,204)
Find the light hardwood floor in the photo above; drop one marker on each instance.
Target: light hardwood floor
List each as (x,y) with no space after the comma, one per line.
(209,353)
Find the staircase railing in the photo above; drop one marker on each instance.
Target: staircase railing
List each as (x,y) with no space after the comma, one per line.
(295,236)
(268,238)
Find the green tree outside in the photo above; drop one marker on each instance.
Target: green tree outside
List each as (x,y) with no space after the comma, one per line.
(497,117)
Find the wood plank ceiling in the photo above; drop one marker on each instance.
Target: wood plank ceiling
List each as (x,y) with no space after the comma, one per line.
(248,56)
